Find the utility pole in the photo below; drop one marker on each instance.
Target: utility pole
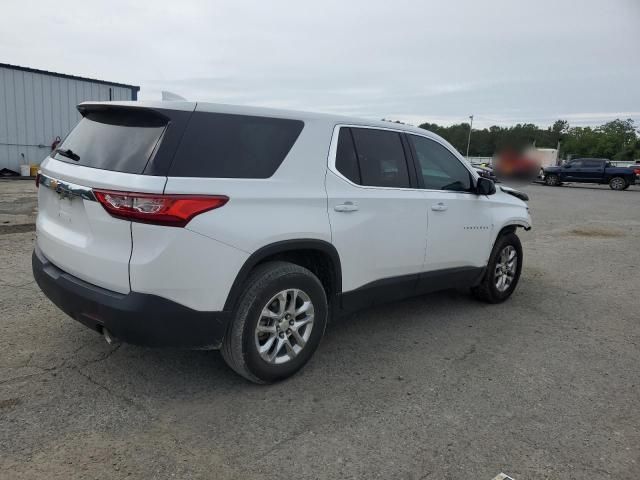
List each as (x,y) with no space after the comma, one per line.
(469,140)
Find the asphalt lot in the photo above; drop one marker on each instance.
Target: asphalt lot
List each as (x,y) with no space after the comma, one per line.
(545,386)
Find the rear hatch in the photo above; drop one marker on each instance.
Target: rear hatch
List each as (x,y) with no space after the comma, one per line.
(114,147)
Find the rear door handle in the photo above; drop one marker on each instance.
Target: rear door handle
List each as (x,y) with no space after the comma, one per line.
(346,207)
(439,207)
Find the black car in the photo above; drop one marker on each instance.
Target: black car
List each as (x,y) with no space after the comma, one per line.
(590,170)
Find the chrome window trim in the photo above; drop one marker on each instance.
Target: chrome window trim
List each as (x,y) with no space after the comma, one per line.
(333,147)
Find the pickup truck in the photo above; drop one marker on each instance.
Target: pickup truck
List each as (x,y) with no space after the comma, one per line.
(590,170)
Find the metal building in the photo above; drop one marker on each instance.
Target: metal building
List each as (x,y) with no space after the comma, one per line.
(37,107)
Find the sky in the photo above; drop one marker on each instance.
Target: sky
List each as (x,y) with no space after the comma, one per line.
(505,62)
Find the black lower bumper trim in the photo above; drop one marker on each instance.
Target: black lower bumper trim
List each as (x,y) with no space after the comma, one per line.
(136,318)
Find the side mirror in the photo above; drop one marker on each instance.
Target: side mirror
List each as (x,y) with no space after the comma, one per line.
(485,186)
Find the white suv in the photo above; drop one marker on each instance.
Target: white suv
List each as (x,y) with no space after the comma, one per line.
(247,229)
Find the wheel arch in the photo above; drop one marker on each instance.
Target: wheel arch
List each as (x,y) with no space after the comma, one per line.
(511,228)
(512,225)
(626,179)
(319,256)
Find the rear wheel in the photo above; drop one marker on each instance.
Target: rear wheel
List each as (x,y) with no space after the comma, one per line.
(552,180)
(618,183)
(503,270)
(278,324)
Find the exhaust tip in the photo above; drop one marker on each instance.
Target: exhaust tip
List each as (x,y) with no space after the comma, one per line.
(109,338)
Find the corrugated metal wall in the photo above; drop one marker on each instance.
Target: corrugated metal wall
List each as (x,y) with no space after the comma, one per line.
(36,107)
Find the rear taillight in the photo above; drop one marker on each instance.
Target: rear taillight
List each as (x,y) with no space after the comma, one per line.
(170,210)
(37,179)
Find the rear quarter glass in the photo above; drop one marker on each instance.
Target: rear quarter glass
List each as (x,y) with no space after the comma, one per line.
(217,145)
(121,140)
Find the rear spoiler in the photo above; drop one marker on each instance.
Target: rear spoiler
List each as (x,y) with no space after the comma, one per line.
(124,114)
(152,105)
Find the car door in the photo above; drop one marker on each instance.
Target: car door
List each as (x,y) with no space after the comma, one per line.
(572,171)
(459,221)
(592,170)
(377,218)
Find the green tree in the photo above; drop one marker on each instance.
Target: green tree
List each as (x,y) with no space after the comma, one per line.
(616,140)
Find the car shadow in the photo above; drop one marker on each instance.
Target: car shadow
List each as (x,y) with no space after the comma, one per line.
(358,340)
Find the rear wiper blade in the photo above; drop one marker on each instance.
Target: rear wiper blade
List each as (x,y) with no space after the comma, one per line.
(68,153)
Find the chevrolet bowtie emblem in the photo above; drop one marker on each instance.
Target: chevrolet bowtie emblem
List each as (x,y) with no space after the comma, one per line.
(62,189)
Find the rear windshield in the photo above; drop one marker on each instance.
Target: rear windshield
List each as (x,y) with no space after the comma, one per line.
(217,145)
(120,140)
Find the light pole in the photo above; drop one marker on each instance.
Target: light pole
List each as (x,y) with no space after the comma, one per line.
(469,140)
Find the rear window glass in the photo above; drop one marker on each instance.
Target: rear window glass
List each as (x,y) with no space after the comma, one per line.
(381,158)
(592,163)
(118,140)
(346,159)
(217,145)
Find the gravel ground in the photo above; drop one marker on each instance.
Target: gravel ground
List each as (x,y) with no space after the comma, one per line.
(545,386)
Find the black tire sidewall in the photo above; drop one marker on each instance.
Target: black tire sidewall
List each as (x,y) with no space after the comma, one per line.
(554,183)
(624,182)
(255,364)
(503,241)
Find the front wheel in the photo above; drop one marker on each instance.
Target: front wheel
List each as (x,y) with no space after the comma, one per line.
(552,180)
(618,183)
(278,323)
(503,270)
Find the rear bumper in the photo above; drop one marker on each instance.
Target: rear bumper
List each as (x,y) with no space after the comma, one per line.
(136,318)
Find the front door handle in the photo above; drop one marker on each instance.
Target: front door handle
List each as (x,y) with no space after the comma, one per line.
(346,207)
(439,207)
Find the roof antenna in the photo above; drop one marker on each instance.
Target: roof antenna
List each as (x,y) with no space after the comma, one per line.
(172,97)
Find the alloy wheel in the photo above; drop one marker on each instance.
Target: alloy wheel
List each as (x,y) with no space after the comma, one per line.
(284,326)
(617,184)
(505,269)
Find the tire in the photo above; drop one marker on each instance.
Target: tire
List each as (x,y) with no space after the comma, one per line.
(488,290)
(618,183)
(552,180)
(262,294)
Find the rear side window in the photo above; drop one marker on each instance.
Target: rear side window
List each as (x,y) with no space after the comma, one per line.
(441,170)
(121,140)
(592,163)
(346,158)
(220,145)
(381,158)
